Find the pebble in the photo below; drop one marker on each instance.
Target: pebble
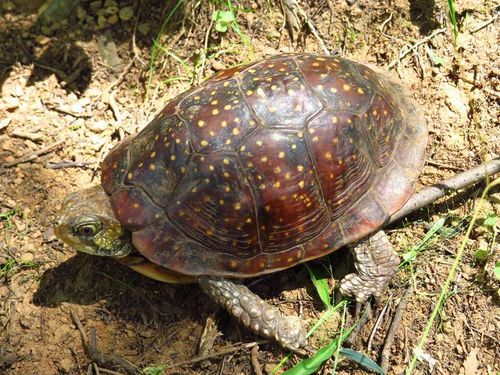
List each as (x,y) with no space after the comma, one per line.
(27,257)
(144,28)
(456,100)
(113,19)
(97,126)
(10,103)
(9,6)
(79,105)
(126,13)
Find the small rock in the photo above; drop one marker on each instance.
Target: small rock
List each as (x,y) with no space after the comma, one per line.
(10,203)
(42,40)
(11,103)
(79,105)
(98,126)
(27,257)
(101,22)
(113,19)
(126,13)
(456,100)
(49,235)
(80,13)
(25,323)
(110,3)
(95,6)
(8,6)
(144,28)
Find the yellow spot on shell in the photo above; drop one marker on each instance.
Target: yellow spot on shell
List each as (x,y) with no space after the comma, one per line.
(214,102)
(211,167)
(152,167)
(346,87)
(153,154)
(172,157)
(301,184)
(136,205)
(227,188)
(334,119)
(242,148)
(221,201)
(236,131)
(315,64)
(209,233)
(281,154)
(315,139)
(129,176)
(298,108)
(223,124)
(258,143)
(237,206)
(277,184)
(333,90)
(225,161)
(360,91)
(300,168)
(328,156)
(264,158)
(262,186)
(201,123)
(272,109)
(204,143)
(215,111)
(227,107)
(249,92)
(267,208)
(277,170)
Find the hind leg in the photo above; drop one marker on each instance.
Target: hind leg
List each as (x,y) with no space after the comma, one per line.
(376,262)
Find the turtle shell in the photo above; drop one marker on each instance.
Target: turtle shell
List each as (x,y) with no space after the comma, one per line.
(267,165)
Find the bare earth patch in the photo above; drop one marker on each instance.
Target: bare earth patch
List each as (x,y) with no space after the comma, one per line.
(67,97)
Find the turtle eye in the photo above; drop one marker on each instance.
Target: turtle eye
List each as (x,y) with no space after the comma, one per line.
(87,229)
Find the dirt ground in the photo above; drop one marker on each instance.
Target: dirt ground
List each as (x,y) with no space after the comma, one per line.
(72,90)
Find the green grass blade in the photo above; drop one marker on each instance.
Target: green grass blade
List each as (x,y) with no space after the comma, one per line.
(451,274)
(321,285)
(312,364)
(409,256)
(362,359)
(453,20)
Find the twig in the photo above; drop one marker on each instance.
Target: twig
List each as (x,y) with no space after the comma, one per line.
(384,362)
(33,155)
(313,29)
(291,18)
(486,23)
(110,372)
(447,166)
(68,164)
(439,190)
(376,326)
(254,356)
(95,355)
(230,350)
(409,48)
(18,133)
(382,26)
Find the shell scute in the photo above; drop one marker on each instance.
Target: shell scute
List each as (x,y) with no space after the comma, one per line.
(214,205)
(278,94)
(342,157)
(159,157)
(290,205)
(218,116)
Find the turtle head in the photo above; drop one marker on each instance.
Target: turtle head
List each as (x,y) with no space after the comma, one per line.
(86,223)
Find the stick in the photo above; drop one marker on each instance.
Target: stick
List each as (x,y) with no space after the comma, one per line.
(408,49)
(384,363)
(95,355)
(230,350)
(68,164)
(254,356)
(33,155)
(486,23)
(439,190)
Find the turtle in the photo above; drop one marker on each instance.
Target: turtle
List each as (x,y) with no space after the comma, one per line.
(260,168)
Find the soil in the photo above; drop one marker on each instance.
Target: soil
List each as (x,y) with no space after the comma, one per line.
(66,94)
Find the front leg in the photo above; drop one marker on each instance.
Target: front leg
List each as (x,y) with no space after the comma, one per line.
(254,313)
(376,262)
